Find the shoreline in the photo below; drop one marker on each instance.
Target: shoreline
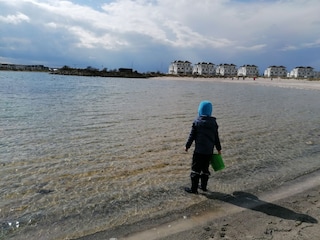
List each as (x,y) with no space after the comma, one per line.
(277,82)
(291,210)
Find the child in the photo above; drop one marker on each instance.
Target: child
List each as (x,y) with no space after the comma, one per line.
(204,132)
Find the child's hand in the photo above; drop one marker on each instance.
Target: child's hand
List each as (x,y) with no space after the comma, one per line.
(219,152)
(186,149)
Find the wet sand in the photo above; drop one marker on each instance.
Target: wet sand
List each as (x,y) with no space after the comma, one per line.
(292,211)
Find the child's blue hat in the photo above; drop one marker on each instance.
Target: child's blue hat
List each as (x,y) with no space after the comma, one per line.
(205,108)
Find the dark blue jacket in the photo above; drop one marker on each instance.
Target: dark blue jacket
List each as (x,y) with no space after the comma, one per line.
(204,132)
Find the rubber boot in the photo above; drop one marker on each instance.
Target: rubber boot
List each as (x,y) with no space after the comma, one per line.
(204,182)
(194,184)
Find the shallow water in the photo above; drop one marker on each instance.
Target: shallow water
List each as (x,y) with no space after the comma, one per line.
(80,155)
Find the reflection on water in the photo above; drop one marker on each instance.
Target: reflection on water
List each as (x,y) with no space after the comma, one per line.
(79,155)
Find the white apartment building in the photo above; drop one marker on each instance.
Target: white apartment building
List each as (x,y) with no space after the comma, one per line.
(226,70)
(180,67)
(302,72)
(206,69)
(316,74)
(248,71)
(275,71)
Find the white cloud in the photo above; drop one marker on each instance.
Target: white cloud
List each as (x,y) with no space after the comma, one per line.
(14,43)
(181,28)
(315,44)
(52,25)
(252,48)
(15,19)
(89,39)
(219,23)
(290,48)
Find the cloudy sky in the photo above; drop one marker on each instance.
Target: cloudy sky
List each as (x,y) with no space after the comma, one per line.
(147,35)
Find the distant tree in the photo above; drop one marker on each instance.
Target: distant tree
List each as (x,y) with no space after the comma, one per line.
(89,68)
(65,67)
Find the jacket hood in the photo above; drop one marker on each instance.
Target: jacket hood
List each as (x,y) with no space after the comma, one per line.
(205,108)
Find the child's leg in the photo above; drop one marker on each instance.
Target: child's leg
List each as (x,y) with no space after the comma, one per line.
(205,173)
(195,174)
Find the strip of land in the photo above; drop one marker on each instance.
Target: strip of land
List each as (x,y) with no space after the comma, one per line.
(278,82)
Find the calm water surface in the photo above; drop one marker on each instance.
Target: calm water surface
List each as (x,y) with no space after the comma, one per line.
(80,155)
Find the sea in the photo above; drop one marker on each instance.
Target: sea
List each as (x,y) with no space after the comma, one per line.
(80,155)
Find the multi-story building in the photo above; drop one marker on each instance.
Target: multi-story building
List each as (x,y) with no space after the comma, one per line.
(205,69)
(229,70)
(180,67)
(248,71)
(302,72)
(316,74)
(226,70)
(275,71)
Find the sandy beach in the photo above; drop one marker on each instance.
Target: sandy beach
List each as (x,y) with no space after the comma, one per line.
(291,211)
(276,82)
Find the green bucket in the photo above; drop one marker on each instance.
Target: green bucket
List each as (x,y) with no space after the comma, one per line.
(217,162)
